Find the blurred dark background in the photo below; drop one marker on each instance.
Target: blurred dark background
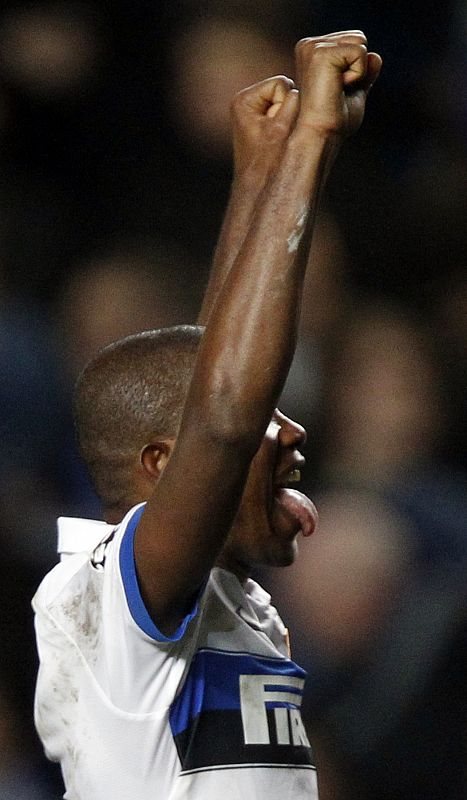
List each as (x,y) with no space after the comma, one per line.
(115,167)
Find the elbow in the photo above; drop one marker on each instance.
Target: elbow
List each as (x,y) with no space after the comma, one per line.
(233,420)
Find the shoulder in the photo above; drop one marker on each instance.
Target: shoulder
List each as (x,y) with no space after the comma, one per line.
(58,580)
(81,544)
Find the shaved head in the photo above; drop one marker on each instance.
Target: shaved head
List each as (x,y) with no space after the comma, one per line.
(130,394)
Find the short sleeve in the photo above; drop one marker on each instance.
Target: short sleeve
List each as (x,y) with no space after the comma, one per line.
(129,578)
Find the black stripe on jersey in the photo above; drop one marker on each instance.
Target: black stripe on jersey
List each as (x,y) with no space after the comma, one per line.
(248,766)
(215,738)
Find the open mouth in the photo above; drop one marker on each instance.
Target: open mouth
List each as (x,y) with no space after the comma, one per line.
(289,475)
(293,476)
(292,509)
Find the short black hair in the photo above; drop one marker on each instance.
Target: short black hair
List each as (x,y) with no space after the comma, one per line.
(133,391)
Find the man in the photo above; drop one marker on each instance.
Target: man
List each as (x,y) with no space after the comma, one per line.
(164,670)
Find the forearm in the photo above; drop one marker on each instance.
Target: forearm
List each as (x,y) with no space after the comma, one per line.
(245,191)
(250,339)
(249,342)
(262,119)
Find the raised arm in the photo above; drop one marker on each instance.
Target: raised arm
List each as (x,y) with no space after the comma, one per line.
(250,337)
(259,135)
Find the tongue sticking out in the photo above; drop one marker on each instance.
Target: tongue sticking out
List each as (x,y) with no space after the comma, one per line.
(298,508)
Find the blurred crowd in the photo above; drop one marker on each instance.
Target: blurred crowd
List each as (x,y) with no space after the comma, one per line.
(115,163)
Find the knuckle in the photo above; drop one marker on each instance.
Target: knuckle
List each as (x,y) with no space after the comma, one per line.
(240,97)
(284,81)
(237,102)
(280,84)
(302,44)
(352,49)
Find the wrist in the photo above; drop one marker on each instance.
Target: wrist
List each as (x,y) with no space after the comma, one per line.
(312,146)
(252,176)
(315,139)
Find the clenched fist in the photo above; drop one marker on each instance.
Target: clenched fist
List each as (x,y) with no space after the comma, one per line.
(334,75)
(263,116)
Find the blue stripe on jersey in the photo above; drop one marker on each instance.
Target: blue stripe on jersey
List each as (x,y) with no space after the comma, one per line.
(279,688)
(133,595)
(213,684)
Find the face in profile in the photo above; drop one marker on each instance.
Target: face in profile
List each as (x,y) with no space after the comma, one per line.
(272,511)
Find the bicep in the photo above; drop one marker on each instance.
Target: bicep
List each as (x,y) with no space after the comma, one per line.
(185,523)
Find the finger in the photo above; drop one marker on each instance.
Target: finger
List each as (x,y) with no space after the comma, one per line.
(357,67)
(350,37)
(257,99)
(286,112)
(373,68)
(374,64)
(351,59)
(325,68)
(312,55)
(345,36)
(281,91)
(282,100)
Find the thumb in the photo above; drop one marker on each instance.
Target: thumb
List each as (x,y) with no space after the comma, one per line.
(286,111)
(281,92)
(261,97)
(374,64)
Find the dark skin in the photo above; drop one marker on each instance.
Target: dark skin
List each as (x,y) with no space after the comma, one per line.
(212,492)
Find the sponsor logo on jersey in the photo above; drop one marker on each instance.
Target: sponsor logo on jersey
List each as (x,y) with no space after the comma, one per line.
(258,694)
(239,709)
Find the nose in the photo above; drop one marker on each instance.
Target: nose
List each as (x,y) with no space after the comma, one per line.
(291,434)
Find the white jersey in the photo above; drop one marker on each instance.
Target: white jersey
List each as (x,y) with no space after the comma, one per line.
(210,713)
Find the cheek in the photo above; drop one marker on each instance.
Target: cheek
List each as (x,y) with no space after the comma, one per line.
(258,485)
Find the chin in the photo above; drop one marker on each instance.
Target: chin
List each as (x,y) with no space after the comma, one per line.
(282,556)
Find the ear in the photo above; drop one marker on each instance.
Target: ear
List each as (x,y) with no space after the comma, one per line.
(154,457)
